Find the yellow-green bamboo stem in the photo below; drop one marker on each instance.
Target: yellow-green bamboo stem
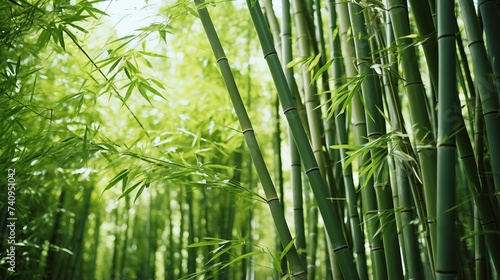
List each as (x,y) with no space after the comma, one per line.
(248,132)
(420,122)
(446,263)
(318,185)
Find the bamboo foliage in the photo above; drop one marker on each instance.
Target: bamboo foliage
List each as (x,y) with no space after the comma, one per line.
(126,151)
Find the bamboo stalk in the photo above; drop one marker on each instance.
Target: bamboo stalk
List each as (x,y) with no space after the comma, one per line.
(446,266)
(490,16)
(486,87)
(358,121)
(295,169)
(375,129)
(342,139)
(248,132)
(419,116)
(318,185)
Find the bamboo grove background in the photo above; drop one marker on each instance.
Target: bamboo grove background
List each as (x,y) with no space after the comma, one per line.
(252,140)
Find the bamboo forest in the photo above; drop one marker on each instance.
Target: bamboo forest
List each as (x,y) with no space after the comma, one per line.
(250,139)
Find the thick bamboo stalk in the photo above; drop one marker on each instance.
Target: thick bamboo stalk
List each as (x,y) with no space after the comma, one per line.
(375,129)
(485,85)
(400,171)
(446,266)
(295,169)
(248,132)
(358,121)
(420,122)
(342,139)
(311,97)
(490,16)
(273,24)
(318,185)
(425,26)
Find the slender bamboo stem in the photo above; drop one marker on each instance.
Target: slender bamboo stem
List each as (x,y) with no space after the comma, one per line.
(486,87)
(446,267)
(490,16)
(248,132)
(295,169)
(342,139)
(318,185)
(358,121)
(375,129)
(425,26)
(419,116)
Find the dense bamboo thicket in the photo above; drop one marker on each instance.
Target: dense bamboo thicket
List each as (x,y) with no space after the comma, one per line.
(272,139)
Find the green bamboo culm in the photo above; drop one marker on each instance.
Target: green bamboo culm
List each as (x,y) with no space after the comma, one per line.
(446,147)
(375,129)
(485,85)
(359,127)
(420,122)
(490,16)
(295,168)
(248,132)
(318,185)
(338,72)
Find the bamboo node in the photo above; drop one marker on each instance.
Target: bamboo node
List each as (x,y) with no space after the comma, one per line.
(270,53)
(289,110)
(340,248)
(312,170)
(221,58)
(272,199)
(247,130)
(299,273)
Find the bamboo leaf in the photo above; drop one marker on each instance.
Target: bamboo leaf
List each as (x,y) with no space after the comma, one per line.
(287,248)
(314,62)
(60,34)
(142,91)
(124,173)
(241,257)
(141,189)
(210,241)
(125,193)
(158,83)
(152,54)
(152,90)
(130,89)
(297,61)
(321,70)
(118,60)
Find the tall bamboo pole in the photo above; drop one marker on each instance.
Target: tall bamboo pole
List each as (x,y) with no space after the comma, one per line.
(425,26)
(375,129)
(318,185)
(490,16)
(311,101)
(358,123)
(420,122)
(401,172)
(295,169)
(342,139)
(446,267)
(485,85)
(248,132)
